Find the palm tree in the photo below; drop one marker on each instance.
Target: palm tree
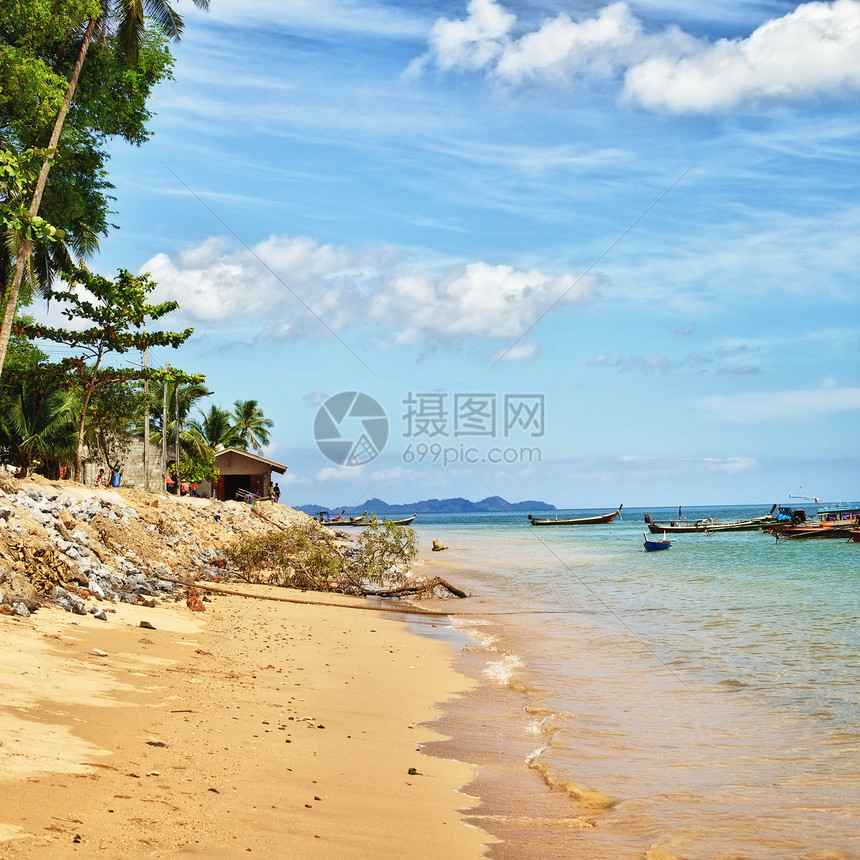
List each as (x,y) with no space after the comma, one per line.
(216,427)
(252,425)
(180,399)
(39,422)
(127,19)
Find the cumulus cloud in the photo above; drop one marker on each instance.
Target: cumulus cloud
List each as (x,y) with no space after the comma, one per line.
(476,300)
(798,405)
(814,49)
(293,287)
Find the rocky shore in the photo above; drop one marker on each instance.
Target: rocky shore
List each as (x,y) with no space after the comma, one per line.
(85,548)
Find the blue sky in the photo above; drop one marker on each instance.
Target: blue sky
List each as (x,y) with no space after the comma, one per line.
(644,216)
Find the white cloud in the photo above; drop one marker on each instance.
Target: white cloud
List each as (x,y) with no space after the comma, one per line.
(284,283)
(477,300)
(814,49)
(781,405)
(518,352)
(732,465)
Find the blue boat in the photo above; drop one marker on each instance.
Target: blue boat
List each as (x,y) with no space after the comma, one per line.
(655,545)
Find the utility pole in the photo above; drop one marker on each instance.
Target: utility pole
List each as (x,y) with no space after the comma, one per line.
(164,431)
(145,424)
(176,430)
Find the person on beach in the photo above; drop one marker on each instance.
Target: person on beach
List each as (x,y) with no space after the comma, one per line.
(183,488)
(276,492)
(101,480)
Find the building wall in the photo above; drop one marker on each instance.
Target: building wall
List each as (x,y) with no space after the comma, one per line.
(133,473)
(234,463)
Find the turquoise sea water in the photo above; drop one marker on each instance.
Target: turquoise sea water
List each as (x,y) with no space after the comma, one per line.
(700,703)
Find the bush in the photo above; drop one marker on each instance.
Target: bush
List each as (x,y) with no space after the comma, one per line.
(386,552)
(308,556)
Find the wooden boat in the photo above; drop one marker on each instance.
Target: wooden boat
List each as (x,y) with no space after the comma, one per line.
(681,526)
(709,525)
(404,522)
(752,524)
(657,545)
(855,536)
(342,520)
(578,521)
(829,523)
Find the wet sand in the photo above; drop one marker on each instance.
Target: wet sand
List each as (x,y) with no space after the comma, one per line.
(257,727)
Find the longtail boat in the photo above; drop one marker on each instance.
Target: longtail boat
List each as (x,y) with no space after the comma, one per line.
(578,521)
(710,526)
(829,523)
(681,526)
(342,520)
(405,522)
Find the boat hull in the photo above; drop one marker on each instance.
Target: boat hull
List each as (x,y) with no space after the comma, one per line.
(656,545)
(602,519)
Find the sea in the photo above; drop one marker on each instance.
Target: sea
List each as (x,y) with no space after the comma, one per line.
(700,703)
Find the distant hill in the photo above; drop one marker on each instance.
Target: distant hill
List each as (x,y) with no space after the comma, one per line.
(492,504)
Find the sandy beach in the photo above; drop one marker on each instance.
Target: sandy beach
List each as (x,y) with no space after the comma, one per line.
(256,727)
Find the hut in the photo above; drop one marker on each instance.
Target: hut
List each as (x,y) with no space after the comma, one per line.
(242,470)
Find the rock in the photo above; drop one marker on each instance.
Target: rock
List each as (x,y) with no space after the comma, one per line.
(194,603)
(20,609)
(147,625)
(65,517)
(98,652)
(77,604)
(438,546)
(22,585)
(99,613)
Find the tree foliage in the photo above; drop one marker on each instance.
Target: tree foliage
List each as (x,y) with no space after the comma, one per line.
(44,47)
(251,425)
(116,311)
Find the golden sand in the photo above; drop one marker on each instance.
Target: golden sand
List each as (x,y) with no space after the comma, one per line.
(264,728)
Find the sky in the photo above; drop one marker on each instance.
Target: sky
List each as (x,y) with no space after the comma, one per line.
(584,253)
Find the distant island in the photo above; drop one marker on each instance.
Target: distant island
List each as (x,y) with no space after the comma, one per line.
(490,505)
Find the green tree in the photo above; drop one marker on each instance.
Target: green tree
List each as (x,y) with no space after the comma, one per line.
(37,416)
(252,425)
(181,392)
(114,414)
(119,25)
(216,427)
(116,313)
(38,420)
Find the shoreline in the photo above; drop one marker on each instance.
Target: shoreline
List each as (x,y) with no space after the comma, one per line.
(290,730)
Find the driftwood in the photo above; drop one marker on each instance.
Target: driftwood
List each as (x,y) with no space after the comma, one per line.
(217,589)
(423,587)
